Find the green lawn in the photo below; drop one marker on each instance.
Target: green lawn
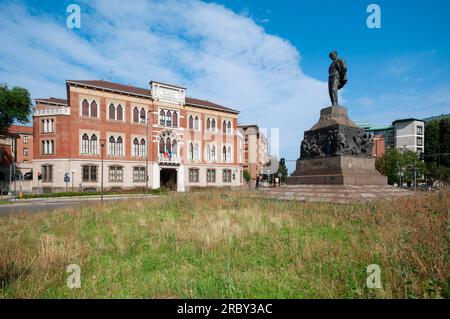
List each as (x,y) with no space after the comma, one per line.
(222,244)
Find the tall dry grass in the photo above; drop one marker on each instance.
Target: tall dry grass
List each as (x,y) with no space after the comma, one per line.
(225,244)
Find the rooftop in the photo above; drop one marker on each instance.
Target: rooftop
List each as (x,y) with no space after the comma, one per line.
(146,93)
(17,129)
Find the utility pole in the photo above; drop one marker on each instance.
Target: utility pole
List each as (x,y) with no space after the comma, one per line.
(102,144)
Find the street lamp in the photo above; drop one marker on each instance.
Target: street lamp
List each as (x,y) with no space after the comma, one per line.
(102,144)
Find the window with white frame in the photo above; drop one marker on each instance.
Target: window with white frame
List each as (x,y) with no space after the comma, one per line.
(224,154)
(89,109)
(89,144)
(115,146)
(211,152)
(139,174)
(47,147)
(115,173)
(226,127)
(419,130)
(138,147)
(210,124)
(25,140)
(194,175)
(193,153)
(211,175)
(139,115)
(47,125)
(226,175)
(168,118)
(89,173)
(115,112)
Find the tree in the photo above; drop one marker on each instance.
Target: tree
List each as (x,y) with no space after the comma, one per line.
(437,149)
(400,163)
(247,176)
(15,106)
(283,170)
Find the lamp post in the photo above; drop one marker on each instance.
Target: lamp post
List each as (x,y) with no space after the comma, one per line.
(102,144)
(146,156)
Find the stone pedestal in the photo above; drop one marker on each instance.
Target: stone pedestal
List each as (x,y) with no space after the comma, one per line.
(336,152)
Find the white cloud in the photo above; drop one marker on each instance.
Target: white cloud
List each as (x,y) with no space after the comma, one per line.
(217,54)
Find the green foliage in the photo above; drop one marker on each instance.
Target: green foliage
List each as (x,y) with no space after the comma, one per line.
(284,171)
(15,105)
(437,149)
(400,162)
(247,176)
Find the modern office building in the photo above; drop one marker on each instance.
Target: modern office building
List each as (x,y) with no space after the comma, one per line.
(401,134)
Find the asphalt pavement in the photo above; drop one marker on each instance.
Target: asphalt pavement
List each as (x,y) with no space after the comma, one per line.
(46,204)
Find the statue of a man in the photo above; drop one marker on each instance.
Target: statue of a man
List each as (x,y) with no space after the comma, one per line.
(337,77)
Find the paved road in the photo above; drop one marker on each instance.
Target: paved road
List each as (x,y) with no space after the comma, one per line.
(55,203)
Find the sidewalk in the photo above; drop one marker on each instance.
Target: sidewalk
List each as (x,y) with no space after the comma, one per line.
(86,197)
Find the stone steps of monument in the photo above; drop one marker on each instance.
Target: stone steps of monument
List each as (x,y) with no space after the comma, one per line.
(332,193)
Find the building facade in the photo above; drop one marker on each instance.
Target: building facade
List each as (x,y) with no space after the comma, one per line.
(143,137)
(255,149)
(24,148)
(402,134)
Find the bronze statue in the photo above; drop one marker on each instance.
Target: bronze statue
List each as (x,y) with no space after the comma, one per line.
(337,77)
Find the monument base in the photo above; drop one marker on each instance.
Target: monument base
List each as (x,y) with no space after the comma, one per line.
(337,170)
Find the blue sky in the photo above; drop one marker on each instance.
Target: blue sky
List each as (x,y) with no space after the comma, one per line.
(268,59)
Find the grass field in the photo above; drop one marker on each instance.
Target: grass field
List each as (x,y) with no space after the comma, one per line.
(222,244)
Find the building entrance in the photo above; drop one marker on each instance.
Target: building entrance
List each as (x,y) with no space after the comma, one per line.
(168,178)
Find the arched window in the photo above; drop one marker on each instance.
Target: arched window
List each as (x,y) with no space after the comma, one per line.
(162,118)
(191,122)
(229,154)
(224,154)
(85,144)
(119,146)
(213,125)
(85,108)
(119,111)
(174,152)
(196,123)
(93,109)
(136,115)
(142,148)
(224,127)
(112,112)
(161,147)
(168,146)
(196,153)
(142,116)
(208,124)
(135,147)
(208,152)
(229,127)
(175,119)
(191,151)
(213,153)
(93,144)
(112,146)
(168,118)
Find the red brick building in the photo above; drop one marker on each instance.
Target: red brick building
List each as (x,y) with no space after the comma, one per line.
(177,141)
